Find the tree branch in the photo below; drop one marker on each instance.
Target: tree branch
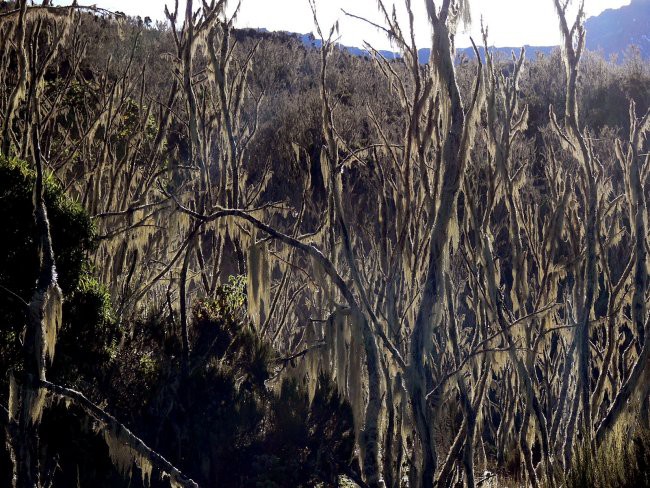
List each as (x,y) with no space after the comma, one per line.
(109,422)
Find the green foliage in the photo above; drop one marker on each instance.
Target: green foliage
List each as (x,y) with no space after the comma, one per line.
(89,331)
(228,304)
(96,299)
(220,331)
(71,228)
(129,122)
(88,340)
(72,237)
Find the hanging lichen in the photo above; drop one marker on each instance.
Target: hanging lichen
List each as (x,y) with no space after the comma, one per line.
(13,398)
(499,361)
(34,403)
(313,361)
(124,457)
(325,168)
(327,341)
(258,288)
(321,280)
(52,318)
(340,350)
(454,234)
(31,401)
(355,374)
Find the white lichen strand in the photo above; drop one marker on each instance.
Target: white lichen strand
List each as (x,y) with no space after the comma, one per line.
(313,361)
(52,312)
(340,352)
(13,398)
(34,403)
(258,289)
(355,393)
(325,169)
(124,457)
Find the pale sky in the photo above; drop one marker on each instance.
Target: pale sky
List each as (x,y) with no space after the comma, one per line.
(510,22)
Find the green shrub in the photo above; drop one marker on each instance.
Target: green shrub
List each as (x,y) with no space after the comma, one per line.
(72,238)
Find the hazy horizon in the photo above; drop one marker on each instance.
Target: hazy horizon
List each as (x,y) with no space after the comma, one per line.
(510,22)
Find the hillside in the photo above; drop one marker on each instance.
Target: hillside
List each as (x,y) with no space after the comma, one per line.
(614,30)
(234,258)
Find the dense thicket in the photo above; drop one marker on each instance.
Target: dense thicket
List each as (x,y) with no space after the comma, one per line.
(277,264)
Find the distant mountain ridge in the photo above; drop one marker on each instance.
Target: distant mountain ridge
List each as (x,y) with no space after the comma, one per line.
(614,30)
(612,33)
